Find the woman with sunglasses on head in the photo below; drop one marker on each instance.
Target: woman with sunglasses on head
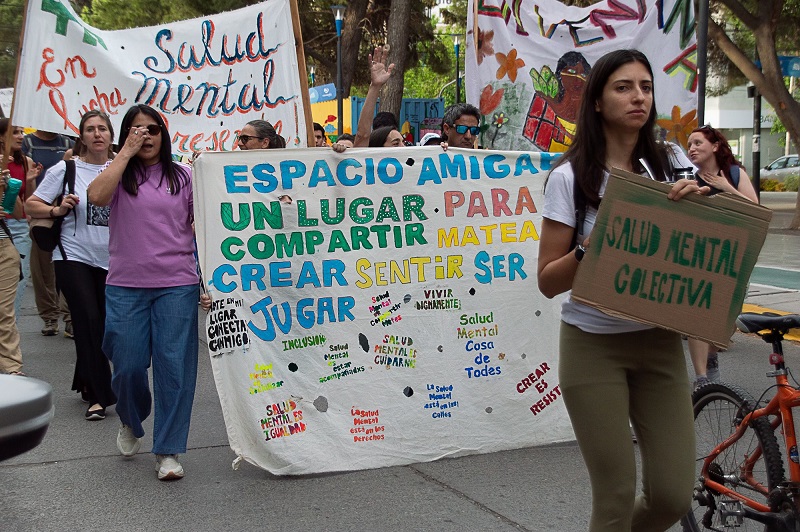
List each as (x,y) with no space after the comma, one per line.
(716,166)
(259,135)
(152,287)
(81,261)
(612,370)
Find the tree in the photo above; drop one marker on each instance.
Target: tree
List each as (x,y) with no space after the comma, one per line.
(768,20)
(10,30)
(398,54)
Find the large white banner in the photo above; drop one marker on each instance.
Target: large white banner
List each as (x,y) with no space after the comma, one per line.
(532,58)
(377,307)
(208,76)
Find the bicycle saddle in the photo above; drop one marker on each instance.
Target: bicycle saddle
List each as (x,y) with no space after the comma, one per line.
(750,322)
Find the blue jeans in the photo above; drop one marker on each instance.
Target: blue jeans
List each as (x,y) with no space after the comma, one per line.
(22,241)
(158,324)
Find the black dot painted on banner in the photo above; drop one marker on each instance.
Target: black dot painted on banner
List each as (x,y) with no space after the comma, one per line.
(538,313)
(472,291)
(321,403)
(409,162)
(188,78)
(408,391)
(523,356)
(293,367)
(406,298)
(489,410)
(436,210)
(363,342)
(440,348)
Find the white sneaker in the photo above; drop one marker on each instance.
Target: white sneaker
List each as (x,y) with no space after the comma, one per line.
(168,467)
(127,443)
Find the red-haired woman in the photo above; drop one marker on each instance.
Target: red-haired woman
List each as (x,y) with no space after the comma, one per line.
(710,152)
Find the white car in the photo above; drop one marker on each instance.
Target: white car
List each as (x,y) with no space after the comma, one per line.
(781,168)
(26,409)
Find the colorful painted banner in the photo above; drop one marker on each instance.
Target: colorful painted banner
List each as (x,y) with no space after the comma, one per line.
(208,76)
(377,307)
(527,66)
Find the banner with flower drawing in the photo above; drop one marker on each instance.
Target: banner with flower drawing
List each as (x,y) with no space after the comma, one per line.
(527,62)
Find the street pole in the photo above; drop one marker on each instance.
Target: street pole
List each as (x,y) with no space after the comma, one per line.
(338,16)
(752,91)
(702,60)
(456,47)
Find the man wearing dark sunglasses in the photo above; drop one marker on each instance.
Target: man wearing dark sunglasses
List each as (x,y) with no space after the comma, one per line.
(460,127)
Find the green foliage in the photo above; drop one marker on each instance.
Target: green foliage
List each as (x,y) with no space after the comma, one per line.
(545,82)
(792,183)
(771,185)
(122,14)
(11,17)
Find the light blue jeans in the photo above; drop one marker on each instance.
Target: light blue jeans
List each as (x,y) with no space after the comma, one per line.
(22,241)
(158,324)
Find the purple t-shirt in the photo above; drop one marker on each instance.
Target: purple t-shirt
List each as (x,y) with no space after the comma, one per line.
(151,244)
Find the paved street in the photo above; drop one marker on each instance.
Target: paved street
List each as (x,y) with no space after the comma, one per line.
(76,480)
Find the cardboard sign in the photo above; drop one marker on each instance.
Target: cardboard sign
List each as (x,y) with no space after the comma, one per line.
(679,265)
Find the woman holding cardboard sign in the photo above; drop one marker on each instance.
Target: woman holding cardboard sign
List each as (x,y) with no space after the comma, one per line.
(611,369)
(712,155)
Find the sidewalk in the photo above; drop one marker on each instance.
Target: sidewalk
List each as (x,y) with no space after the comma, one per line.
(775,283)
(76,479)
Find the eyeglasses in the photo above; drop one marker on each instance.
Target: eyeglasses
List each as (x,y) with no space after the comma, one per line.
(474,130)
(244,139)
(152,129)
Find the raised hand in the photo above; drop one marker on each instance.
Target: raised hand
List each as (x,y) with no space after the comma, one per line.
(379,73)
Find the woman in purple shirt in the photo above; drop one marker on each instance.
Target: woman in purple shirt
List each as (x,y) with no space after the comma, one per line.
(152,287)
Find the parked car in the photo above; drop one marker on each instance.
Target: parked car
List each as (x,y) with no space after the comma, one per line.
(26,409)
(781,168)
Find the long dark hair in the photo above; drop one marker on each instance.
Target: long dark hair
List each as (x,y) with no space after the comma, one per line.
(135,174)
(587,153)
(724,154)
(17,156)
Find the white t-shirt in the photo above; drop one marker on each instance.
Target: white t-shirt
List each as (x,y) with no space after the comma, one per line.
(86,241)
(559,206)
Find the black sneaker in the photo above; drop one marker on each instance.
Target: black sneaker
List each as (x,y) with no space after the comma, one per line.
(95,415)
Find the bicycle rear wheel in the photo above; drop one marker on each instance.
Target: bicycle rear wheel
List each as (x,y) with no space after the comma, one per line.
(751,466)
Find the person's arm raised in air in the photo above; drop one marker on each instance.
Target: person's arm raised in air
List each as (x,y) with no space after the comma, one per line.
(379,75)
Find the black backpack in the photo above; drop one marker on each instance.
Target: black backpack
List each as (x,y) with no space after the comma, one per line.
(46,232)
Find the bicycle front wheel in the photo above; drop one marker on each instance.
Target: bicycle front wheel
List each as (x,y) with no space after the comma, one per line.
(750,466)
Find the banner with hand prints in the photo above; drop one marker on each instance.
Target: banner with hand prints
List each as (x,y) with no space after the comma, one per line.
(527,66)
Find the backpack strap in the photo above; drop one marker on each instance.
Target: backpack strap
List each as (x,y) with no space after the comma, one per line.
(68,187)
(735,173)
(579,200)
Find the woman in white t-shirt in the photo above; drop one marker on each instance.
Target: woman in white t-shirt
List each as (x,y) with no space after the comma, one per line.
(81,262)
(611,369)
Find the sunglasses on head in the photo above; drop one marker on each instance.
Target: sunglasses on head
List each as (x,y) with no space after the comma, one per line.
(472,129)
(244,139)
(152,129)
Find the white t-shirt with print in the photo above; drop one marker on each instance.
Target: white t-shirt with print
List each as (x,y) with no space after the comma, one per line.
(86,241)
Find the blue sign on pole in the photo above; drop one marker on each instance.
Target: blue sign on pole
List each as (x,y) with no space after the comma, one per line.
(790,65)
(323,93)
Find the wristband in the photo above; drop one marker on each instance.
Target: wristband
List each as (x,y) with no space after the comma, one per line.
(580,251)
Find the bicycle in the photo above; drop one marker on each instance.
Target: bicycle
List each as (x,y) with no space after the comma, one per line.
(741,482)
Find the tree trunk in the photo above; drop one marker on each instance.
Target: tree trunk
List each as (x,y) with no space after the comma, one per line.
(352,34)
(398,53)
